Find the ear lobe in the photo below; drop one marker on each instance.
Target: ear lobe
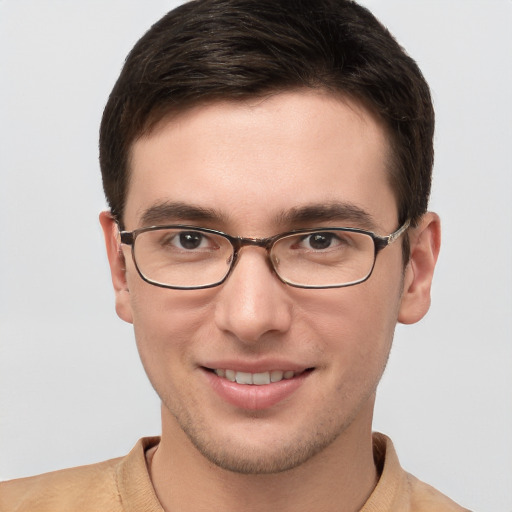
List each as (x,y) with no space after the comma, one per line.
(117,264)
(425,242)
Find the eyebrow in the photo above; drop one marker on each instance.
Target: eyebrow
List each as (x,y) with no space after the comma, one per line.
(345,212)
(172,211)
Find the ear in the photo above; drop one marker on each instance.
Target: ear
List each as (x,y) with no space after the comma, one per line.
(425,242)
(117,266)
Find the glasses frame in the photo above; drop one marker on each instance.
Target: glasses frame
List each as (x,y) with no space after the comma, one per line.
(237,242)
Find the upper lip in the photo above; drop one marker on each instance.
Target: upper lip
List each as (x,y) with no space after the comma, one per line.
(256,366)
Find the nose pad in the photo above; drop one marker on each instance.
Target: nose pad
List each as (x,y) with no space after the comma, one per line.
(274,262)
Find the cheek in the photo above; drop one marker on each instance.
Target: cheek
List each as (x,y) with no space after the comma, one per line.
(356,322)
(367,307)
(380,301)
(166,321)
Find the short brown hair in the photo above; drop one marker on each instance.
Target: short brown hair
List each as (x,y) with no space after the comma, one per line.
(206,50)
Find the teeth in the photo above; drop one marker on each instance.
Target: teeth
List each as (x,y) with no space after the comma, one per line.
(243,378)
(261,378)
(258,379)
(276,376)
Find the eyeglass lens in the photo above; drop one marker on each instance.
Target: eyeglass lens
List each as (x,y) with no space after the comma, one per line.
(185,258)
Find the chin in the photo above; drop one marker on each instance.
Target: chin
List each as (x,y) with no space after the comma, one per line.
(256,462)
(265,452)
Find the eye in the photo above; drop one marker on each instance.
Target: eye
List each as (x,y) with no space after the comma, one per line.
(190,240)
(321,241)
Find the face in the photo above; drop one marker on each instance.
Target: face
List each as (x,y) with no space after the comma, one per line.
(247,168)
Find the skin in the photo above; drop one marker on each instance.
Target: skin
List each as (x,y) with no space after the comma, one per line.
(251,162)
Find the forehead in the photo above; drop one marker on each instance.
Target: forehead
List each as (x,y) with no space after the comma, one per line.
(253,161)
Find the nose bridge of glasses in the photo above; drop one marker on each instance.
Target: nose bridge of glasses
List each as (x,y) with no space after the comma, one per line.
(264,243)
(239,242)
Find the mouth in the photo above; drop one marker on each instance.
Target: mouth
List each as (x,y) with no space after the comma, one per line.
(260,389)
(257,379)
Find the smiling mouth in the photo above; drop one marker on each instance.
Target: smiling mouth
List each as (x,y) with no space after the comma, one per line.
(257,379)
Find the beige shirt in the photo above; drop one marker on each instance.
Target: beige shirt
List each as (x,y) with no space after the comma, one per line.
(123,485)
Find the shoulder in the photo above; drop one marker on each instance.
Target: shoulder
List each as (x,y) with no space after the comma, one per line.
(425,498)
(108,486)
(85,488)
(399,491)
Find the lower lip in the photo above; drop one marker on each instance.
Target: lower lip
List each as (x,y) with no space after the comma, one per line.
(253,397)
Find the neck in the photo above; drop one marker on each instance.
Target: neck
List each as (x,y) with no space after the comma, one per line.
(340,478)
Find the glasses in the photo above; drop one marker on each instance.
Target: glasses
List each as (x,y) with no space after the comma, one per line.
(190,257)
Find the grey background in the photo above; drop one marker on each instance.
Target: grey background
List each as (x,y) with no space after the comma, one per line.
(72,390)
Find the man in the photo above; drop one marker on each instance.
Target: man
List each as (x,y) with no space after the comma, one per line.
(267,165)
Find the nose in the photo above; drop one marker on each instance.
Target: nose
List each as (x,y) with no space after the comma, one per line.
(253,303)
